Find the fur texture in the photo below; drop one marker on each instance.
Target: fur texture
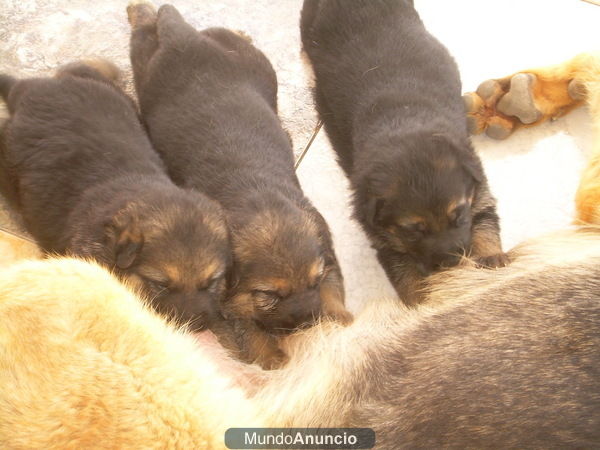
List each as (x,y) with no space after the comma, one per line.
(555,91)
(500,358)
(209,101)
(389,96)
(78,166)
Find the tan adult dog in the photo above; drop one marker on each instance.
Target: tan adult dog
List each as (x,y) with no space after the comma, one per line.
(500,358)
(530,97)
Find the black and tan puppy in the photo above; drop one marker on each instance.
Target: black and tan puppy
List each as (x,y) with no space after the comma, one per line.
(209,101)
(389,95)
(79,167)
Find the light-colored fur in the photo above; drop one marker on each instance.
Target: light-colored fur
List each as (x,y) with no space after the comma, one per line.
(84,363)
(13,248)
(552,99)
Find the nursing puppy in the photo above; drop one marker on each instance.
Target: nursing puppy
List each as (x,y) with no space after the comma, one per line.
(80,169)
(389,95)
(507,359)
(209,102)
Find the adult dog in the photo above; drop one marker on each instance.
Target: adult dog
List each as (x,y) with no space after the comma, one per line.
(505,358)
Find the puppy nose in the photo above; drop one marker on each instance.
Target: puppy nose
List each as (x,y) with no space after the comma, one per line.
(200,311)
(442,260)
(308,308)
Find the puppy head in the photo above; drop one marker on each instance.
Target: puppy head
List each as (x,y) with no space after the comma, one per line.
(277,271)
(177,253)
(418,200)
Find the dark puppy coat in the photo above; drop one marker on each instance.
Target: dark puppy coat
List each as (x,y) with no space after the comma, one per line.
(209,101)
(80,169)
(390,98)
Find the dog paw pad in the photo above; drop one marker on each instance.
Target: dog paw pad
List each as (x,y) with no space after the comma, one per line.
(489,90)
(519,101)
(499,128)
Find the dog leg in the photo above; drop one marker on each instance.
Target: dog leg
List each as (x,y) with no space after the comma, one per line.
(259,347)
(587,198)
(486,247)
(533,96)
(404,275)
(172,29)
(332,297)
(528,98)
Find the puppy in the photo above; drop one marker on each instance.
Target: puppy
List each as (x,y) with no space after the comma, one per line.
(508,359)
(209,102)
(87,182)
(389,95)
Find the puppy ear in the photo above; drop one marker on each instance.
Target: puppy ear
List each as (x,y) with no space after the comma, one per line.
(232,275)
(382,182)
(473,166)
(373,209)
(465,153)
(125,237)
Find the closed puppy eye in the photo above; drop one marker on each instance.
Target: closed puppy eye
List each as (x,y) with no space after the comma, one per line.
(414,228)
(158,285)
(212,284)
(317,281)
(267,293)
(266,299)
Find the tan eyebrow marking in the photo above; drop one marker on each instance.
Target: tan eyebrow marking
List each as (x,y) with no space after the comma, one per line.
(280,285)
(316,269)
(409,220)
(154,274)
(455,204)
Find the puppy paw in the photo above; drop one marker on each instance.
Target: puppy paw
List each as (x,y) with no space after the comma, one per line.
(140,13)
(245,36)
(340,315)
(493,261)
(499,107)
(271,360)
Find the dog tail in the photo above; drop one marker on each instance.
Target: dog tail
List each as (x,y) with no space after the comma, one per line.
(6,84)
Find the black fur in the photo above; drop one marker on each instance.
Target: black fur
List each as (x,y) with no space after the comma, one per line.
(209,101)
(389,95)
(87,182)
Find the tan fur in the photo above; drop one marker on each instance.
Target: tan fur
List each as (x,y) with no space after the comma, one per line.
(139,17)
(13,248)
(104,66)
(88,370)
(484,242)
(587,199)
(85,363)
(261,240)
(552,99)
(332,298)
